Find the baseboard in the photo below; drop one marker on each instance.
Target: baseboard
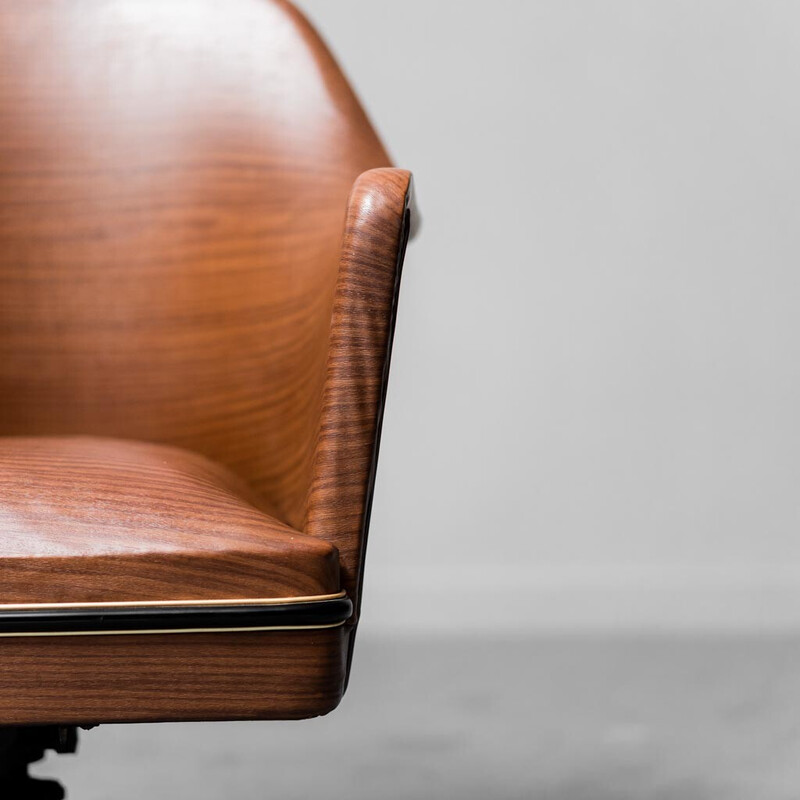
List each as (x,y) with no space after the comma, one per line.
(461,600)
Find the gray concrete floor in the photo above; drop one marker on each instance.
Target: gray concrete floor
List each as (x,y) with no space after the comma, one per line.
(566,718)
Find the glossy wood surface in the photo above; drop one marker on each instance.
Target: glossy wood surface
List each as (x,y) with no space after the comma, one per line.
(174,177)
(191,676)
(88,520)
(358,363)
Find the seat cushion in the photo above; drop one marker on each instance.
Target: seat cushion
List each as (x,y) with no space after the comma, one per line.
(86,519)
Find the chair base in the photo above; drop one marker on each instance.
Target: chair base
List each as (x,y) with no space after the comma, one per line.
(22,746)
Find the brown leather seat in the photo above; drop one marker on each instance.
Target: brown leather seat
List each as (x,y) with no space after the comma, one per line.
(93,520)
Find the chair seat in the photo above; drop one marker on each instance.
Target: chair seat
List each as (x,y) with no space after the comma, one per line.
(93,520)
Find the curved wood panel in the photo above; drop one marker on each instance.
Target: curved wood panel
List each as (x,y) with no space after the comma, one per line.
(173,186)
(173,178)
(375,237)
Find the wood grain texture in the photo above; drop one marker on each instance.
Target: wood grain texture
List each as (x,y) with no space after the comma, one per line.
(173,178)
(103,520)
(192,676)
(358,363)
(173,186)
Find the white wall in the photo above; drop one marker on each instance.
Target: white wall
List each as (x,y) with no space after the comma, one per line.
(593,413)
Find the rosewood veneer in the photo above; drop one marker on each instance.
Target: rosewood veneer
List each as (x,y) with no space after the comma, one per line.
(201,239)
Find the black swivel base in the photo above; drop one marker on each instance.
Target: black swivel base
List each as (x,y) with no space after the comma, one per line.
(20,747)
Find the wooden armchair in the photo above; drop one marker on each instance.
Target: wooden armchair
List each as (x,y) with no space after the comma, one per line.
(195,331)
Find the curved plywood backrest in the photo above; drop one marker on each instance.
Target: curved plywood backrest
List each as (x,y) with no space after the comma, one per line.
(173,180)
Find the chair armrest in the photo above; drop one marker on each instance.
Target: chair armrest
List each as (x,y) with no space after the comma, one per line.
(362,326)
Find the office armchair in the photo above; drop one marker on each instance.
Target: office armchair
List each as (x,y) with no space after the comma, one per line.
(195,332)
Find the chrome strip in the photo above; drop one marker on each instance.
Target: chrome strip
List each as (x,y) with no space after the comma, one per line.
(266,601)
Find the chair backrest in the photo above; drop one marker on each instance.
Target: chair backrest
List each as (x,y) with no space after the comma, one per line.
(173,178)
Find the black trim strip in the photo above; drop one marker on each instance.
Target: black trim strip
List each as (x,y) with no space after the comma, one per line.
(312,614)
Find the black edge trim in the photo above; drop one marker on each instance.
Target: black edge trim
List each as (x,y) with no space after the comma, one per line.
(313,614)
